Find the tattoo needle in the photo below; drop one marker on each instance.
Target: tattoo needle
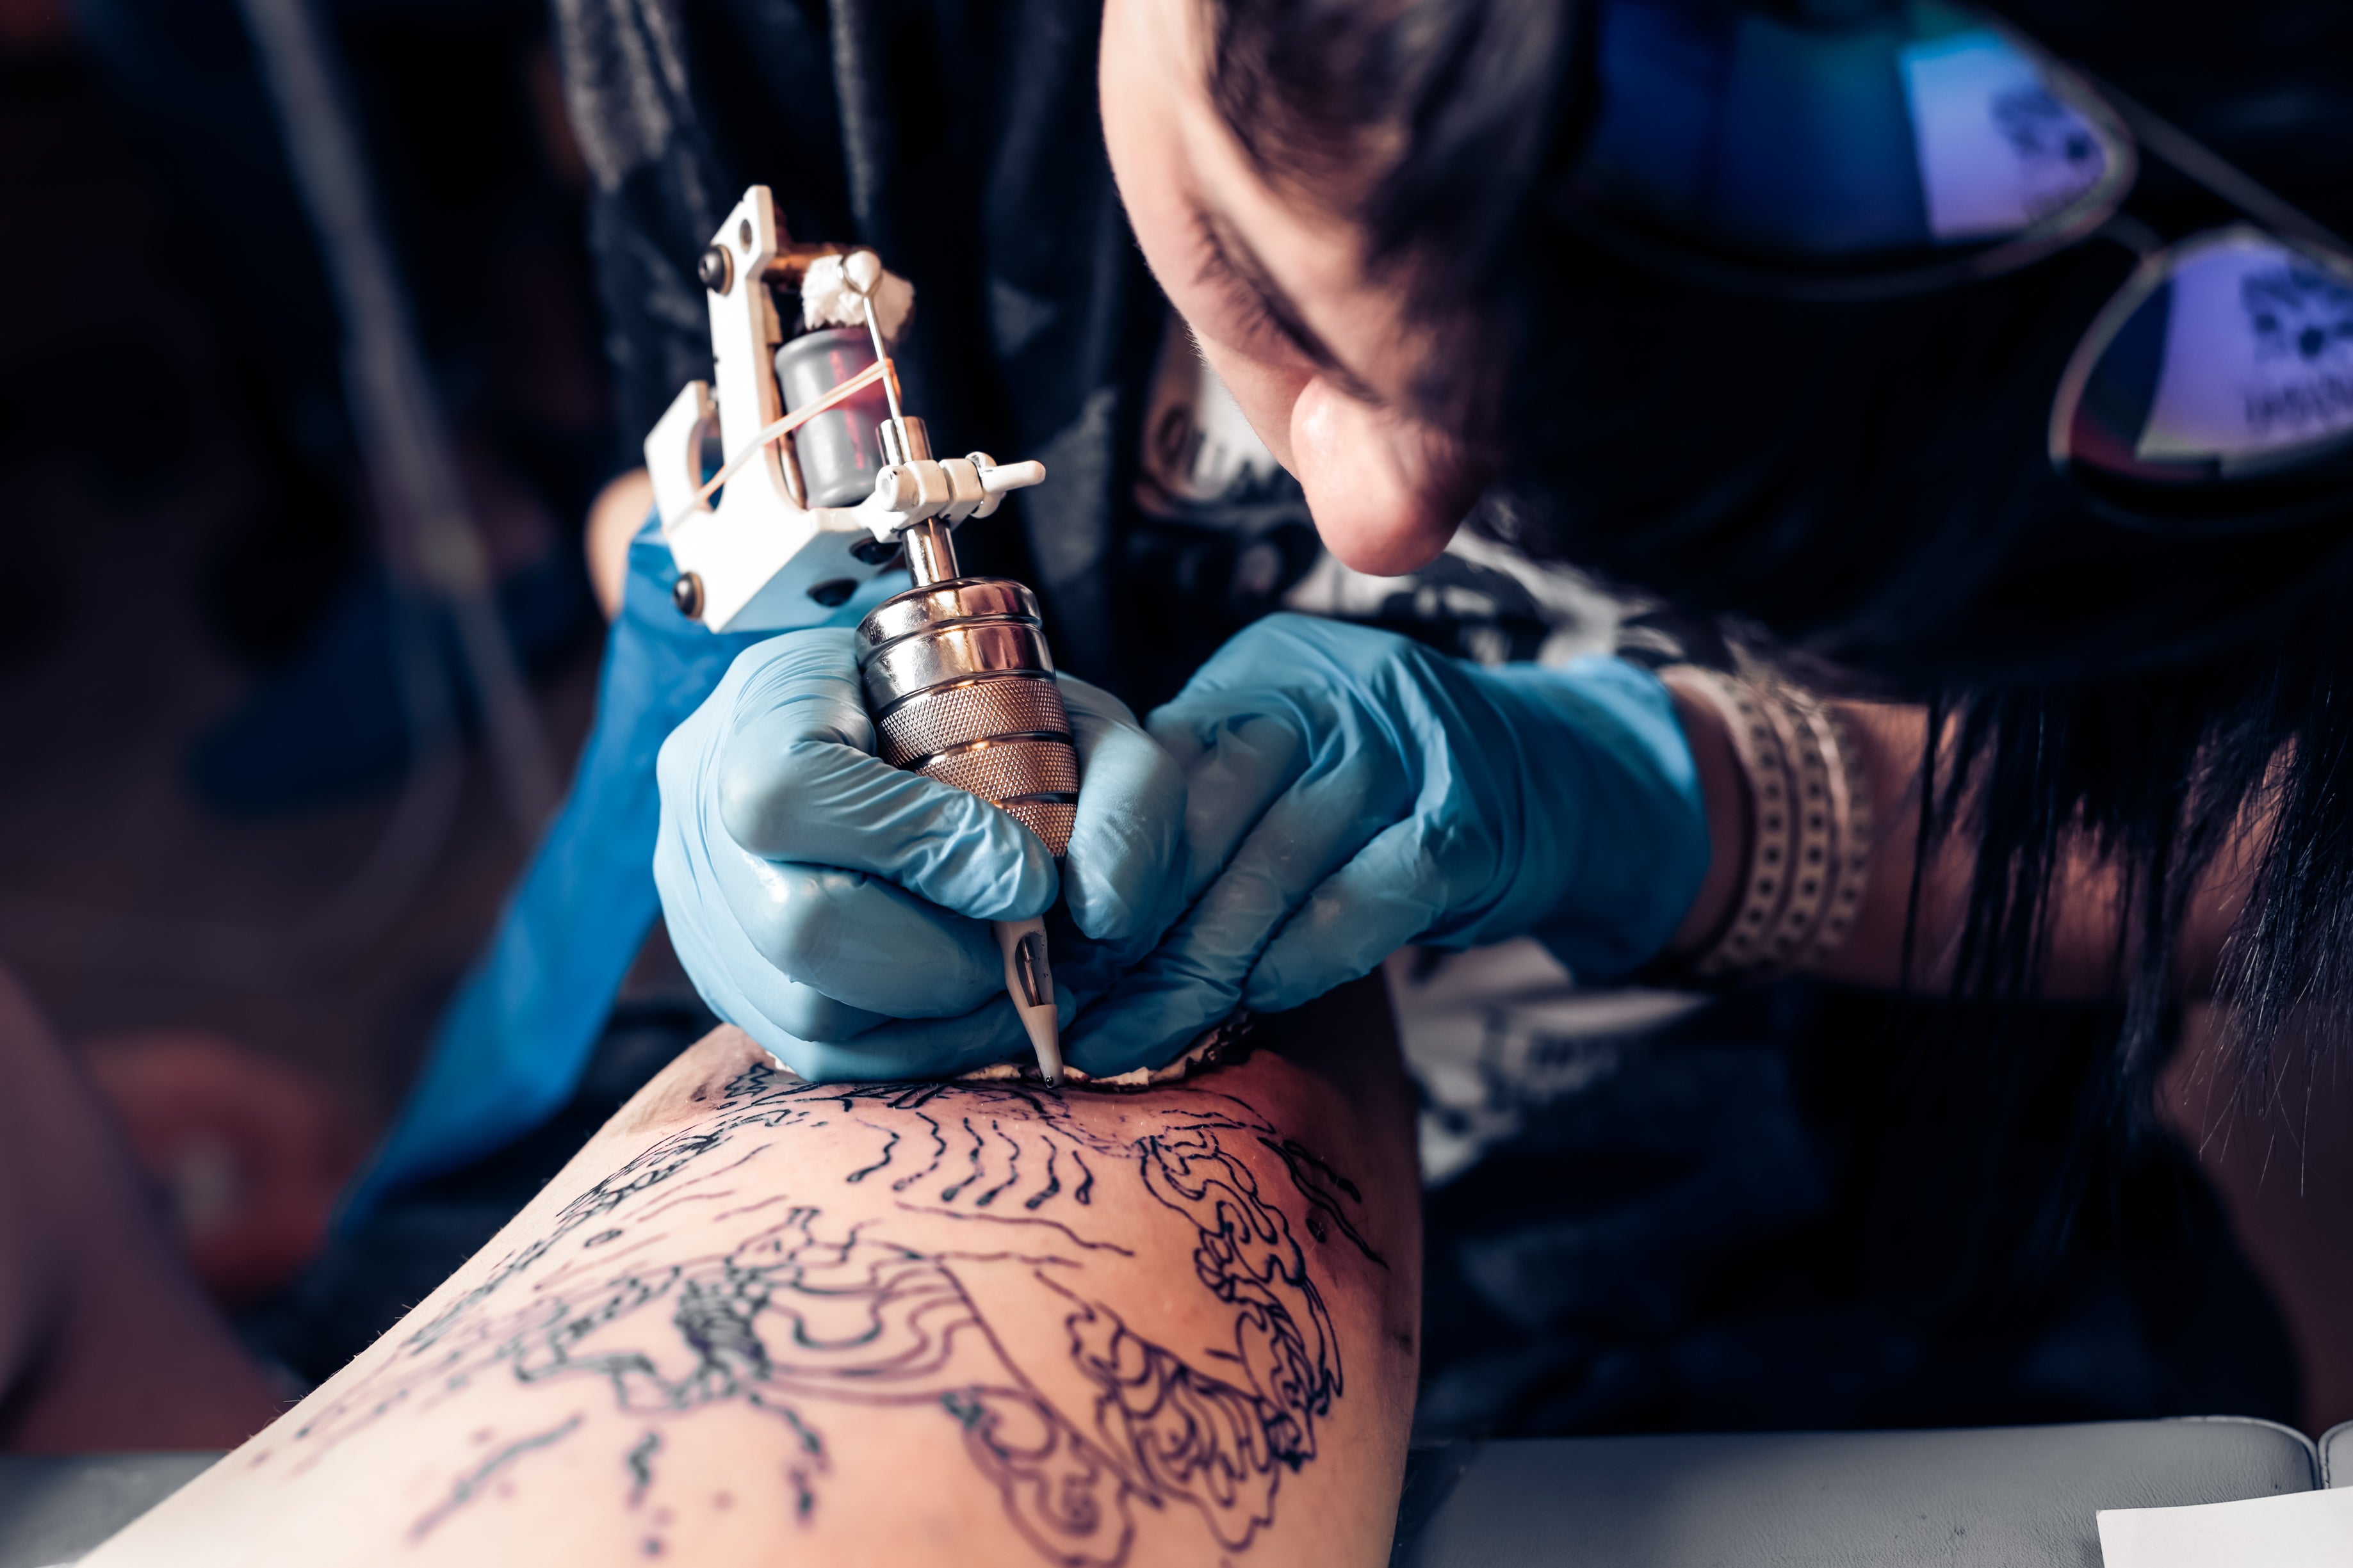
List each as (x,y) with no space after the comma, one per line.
(1028,976)
(1031,980)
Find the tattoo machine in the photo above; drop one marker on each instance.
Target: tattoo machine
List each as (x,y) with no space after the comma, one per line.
(825,482)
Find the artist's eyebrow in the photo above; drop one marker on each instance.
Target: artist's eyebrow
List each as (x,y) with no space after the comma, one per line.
(1231,255)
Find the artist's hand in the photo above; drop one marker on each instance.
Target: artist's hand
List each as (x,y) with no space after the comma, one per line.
(1348,791)
(835,907)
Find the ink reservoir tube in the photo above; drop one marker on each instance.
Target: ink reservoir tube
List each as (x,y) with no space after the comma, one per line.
(840,450)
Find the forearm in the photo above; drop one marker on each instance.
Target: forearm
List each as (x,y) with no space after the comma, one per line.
(904,1323)
(2082,915)
(615,516)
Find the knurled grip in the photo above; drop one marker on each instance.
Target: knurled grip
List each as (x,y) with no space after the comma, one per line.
(932,722)
(963,690)
(1005,770)
(1049,820)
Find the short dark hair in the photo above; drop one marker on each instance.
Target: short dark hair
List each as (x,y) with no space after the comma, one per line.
(1866,481)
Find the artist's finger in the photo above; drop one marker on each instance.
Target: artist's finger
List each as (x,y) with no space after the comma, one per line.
(859,940)
(1237,763)
(1194,977)
(1124,874)
(1387,895)
(793,777)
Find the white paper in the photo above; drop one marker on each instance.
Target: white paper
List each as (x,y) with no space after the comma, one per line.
(2299,1529)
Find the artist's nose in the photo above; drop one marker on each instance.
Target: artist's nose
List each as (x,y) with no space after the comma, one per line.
(1367,471)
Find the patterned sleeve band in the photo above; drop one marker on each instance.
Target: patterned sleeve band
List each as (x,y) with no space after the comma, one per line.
(1809,836)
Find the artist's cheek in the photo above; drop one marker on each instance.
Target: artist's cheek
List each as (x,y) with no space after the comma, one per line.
(1364,479)
(1265,393)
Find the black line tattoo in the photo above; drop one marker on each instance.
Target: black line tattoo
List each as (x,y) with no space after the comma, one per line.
(640,1460)
(889,1149)
(801,1311)
(469,1486)
(939,1152)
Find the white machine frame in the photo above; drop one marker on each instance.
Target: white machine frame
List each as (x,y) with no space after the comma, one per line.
(760,559)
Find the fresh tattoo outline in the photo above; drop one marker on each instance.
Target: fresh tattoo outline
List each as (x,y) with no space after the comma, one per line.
(802,1311)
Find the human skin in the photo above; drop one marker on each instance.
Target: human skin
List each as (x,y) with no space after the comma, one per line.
(107,1343)
(755,1320)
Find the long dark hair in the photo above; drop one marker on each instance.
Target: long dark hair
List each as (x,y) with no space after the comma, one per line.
(1864,482)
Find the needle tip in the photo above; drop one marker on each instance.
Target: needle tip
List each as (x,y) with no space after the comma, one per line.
(1045,1038)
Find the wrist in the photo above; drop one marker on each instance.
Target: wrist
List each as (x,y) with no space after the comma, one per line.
(1724,796)
(1801,792)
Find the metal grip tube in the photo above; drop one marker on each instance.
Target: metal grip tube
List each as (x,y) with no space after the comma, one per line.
(962,689)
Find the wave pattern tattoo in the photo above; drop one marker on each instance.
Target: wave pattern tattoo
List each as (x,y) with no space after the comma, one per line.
(990,1188)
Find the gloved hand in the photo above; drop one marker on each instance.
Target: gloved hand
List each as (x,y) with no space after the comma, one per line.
(835,907)
(1348,791)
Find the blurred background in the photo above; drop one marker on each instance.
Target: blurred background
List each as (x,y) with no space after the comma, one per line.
(246,850)
(230,873)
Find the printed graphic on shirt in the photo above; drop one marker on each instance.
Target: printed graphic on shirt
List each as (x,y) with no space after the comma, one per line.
(1225,522)
(1219,530)
(1202,463)
(1478,601)
(1499,1034)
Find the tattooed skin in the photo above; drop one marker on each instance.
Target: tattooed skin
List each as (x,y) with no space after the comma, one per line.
(992,1221)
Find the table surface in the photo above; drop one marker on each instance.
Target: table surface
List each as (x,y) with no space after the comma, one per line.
(1986,1498)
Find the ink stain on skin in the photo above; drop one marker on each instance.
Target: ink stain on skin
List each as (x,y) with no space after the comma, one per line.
(640,1461)
(795,1310)
(469,1485)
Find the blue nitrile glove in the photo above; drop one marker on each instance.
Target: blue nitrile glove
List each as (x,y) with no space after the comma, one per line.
(519,1033)
(1348,791)
(834,907)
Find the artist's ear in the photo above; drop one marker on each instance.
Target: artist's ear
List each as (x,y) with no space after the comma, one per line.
(1367,471)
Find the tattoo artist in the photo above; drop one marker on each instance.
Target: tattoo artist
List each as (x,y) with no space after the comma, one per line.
(1395,326)
(1829,419)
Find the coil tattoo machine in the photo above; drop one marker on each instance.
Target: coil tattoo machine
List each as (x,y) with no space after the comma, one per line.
(824,483)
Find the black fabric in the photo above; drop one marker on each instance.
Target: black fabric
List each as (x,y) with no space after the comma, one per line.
(471,209)
(1819,1208)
